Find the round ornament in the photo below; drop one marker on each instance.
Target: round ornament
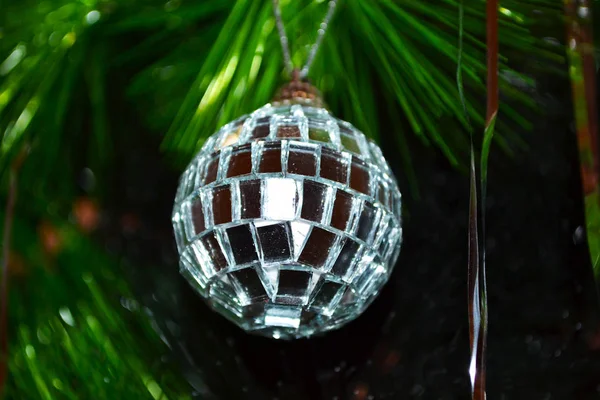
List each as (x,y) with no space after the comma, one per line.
(288,220)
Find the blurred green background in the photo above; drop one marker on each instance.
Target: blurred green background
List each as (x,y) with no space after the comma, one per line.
(84,84)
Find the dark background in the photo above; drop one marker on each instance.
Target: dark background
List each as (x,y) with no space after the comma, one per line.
(544,336)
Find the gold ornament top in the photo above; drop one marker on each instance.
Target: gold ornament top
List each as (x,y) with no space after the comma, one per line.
(299,91)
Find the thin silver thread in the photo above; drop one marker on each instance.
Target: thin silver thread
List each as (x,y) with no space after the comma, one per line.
(285,46)
(321,34)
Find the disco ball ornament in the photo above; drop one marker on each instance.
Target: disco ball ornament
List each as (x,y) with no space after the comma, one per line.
(288,220)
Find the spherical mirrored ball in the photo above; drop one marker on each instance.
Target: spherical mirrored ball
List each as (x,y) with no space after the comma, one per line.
(288,221)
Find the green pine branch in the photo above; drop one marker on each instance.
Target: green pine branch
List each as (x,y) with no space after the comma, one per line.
(75,329)
(203,64)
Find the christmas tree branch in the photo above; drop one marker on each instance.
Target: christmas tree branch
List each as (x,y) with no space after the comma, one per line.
(583,81)
(6,243)
(476,267)
(478,307)
(407,46)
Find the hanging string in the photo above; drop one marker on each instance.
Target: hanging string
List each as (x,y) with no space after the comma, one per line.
(285,46)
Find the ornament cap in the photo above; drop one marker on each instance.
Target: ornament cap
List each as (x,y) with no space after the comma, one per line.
(299,91)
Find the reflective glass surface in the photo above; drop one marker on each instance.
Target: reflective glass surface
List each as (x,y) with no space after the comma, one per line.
(288,221)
